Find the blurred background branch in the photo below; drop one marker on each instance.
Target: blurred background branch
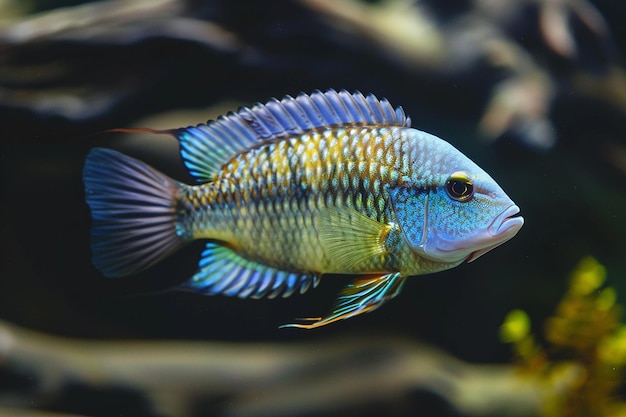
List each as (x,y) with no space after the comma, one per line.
(578,374)
(88,61)
(533,90)
(261,379)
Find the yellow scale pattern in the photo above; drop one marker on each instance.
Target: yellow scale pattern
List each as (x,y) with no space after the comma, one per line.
(266,202)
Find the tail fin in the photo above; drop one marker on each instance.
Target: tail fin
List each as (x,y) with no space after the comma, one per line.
(133,207)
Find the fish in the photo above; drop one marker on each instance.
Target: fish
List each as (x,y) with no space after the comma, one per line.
(295,189)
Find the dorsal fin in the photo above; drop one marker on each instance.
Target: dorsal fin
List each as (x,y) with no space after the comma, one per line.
(206,147)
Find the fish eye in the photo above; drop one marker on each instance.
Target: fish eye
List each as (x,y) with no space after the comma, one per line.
(459,187)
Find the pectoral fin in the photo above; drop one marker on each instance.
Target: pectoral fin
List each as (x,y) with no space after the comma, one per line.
(351,238)
(361,296)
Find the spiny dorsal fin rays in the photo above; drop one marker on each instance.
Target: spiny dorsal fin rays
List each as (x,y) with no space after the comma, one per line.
(206,147)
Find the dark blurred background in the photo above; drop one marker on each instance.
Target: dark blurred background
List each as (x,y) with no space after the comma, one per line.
(532,91)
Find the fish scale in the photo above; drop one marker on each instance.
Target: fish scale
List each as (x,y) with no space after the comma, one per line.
(283,202)
(290,190)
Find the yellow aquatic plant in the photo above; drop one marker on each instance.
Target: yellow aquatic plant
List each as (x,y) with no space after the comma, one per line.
(585,348)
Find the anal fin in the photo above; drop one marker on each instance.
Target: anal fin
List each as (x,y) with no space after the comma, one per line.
(223,271)
(361,296)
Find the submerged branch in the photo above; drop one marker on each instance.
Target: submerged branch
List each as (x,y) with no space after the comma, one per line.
(255,379)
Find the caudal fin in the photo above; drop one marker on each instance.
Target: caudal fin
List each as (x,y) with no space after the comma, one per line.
(133,207)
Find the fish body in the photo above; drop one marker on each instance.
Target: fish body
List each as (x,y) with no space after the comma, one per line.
(295,189)
(276,203)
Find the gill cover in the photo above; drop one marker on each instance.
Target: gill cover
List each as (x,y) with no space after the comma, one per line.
(410,205)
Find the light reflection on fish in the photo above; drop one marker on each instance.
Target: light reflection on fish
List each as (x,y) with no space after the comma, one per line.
(294,189)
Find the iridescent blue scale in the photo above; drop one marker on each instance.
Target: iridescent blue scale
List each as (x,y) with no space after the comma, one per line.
(293,189)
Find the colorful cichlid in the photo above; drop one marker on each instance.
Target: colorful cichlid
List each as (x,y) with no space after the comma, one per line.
(294,189)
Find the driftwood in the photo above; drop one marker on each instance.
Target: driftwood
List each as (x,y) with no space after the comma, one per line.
(69,72)
(59,62)
(521,102)
(263,379)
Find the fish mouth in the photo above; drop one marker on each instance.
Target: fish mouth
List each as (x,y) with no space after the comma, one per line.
(503,228)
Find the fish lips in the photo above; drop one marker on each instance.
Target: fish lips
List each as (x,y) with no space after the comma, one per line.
(503,228)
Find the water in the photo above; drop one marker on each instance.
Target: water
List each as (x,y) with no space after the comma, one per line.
(58,94)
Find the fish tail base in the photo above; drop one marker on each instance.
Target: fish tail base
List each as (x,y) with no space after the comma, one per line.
(134,212)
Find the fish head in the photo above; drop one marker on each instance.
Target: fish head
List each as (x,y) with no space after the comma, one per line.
(453,211)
